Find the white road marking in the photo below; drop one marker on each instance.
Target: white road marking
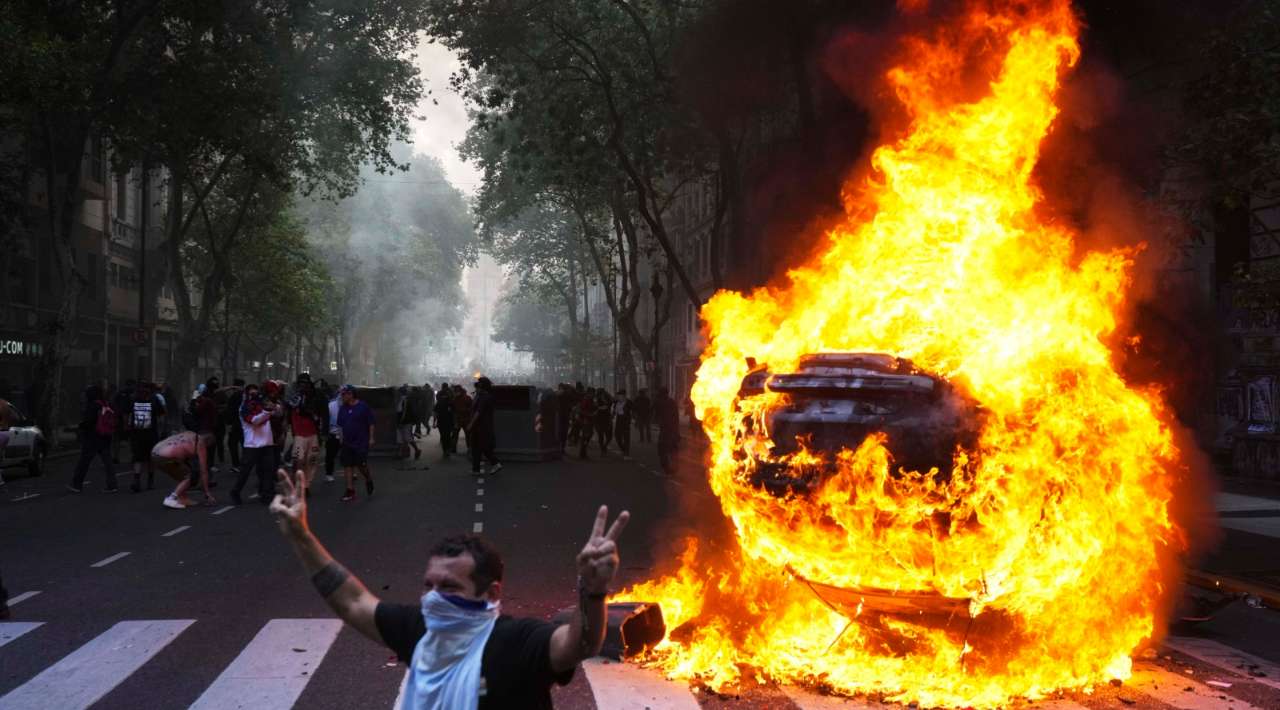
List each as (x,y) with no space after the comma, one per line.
(22,597)
(400,695)
(477,527)
(272,671)
(10,630)
(809,700)
(623,686)
(479,491)
(176,530)
(1180,690)
(479,507)
(25,496)
(109,560)
(254,496)
(480,481)
(88,673)
(223,509)
(1226,658)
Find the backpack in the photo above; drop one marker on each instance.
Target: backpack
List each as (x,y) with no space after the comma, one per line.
(107,420)
(190,420)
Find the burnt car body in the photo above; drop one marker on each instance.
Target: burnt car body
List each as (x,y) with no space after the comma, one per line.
(834,401)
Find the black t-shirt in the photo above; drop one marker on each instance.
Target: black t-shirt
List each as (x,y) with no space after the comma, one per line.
(515,671)
(484,410)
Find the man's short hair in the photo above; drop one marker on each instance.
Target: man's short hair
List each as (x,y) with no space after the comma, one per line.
(488,560)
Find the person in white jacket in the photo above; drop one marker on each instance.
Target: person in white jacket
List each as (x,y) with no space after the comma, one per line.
(259,452)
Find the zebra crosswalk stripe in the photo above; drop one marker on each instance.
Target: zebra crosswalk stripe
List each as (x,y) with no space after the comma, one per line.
(624,686)
(10,630)
(273,670)
(93,670)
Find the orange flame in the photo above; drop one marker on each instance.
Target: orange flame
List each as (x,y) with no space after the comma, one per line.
(1054,525)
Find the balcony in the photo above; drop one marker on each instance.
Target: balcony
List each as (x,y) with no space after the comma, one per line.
(123,232)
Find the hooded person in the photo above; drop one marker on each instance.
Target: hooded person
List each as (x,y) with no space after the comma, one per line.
(255,420)
(462,652)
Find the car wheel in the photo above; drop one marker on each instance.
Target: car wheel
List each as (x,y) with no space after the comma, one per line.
(36,465)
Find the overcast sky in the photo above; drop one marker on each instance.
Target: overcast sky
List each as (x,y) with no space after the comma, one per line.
(442,123)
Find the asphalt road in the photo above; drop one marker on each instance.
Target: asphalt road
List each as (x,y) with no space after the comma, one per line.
(209,601)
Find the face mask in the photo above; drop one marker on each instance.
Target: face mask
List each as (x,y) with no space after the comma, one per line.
(446,662)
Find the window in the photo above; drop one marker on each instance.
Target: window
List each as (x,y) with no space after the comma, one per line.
(122,196)
(97,166)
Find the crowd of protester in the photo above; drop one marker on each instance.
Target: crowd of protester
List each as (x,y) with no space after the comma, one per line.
(249,430)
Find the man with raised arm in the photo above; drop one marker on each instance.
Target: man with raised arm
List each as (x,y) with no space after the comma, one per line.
(462,653)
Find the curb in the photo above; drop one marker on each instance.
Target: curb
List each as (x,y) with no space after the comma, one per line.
(1233,585)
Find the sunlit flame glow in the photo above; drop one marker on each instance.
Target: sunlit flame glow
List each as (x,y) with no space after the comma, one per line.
(1055,526)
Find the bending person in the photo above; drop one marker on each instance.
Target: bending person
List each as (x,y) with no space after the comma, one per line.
(184,457)
(462,653)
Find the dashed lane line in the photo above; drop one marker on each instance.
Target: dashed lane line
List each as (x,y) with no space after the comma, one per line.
(25,496)
(223,509)
(480,491)
(18,599)
(109,560)
(477,527)
(176,530)
(479,507)
(480,481)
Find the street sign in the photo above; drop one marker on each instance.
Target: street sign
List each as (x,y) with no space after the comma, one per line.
(139,336)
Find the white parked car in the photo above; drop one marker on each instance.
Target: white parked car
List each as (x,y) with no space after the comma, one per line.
(27,446)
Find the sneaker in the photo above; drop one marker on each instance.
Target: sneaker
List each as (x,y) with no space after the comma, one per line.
(113,489)
(73,489)
(235,498)
(417,454)
(496,467)
(210,500)
(328,478)
(171,501)
(349,496)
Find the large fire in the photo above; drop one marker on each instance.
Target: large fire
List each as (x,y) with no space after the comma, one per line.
(1054,524)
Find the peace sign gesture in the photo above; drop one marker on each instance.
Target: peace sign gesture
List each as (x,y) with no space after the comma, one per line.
(290,505)
(598,560)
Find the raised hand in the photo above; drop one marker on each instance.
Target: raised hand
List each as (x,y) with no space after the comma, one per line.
(598,561)
(289,508)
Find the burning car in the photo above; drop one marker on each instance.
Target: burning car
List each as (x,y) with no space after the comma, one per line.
(833,401)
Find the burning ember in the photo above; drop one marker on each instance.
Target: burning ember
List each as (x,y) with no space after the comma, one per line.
(1034,558)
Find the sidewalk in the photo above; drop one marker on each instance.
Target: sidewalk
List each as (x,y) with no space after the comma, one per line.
(1248,558)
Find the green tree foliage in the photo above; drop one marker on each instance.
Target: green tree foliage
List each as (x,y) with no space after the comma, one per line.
(1233,108)
(274,95)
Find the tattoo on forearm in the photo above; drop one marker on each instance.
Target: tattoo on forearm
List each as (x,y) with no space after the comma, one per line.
(327,580)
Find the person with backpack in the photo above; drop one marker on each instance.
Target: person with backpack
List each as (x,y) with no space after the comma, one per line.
(143,421)
(98,423)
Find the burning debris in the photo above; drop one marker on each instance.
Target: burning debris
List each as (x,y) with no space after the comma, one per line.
(980,511)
